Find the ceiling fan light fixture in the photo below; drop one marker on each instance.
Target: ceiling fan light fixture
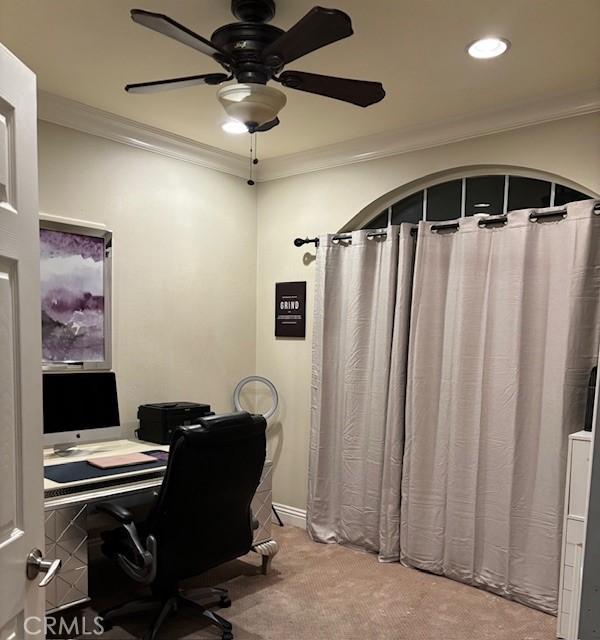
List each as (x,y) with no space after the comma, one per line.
(234,126)
(251,104)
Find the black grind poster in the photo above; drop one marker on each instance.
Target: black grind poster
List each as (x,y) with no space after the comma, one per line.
(290,309)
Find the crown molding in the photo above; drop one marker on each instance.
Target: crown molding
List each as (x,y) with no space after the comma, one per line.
(76,115)
(401,141)
(82,117)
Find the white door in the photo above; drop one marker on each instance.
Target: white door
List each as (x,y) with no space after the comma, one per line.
(21,486)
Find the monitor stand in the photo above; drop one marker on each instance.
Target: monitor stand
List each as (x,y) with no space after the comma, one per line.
(67,449)
(76,449)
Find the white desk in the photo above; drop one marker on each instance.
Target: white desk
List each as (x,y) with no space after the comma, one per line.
(69,514)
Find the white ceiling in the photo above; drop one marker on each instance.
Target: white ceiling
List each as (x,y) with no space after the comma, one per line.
(86,50)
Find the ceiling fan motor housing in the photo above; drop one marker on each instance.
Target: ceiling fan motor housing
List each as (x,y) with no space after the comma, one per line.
(243,44)
(252,104)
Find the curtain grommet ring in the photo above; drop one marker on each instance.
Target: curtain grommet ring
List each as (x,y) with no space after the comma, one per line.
(548,216)
(492,223)
(445,228)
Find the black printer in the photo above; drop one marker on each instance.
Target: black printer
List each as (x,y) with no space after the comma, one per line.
(158,420)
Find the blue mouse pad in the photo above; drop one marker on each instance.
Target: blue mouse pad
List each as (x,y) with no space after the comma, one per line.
(75,471)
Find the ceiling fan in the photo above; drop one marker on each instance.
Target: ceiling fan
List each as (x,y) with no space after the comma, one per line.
(253,53)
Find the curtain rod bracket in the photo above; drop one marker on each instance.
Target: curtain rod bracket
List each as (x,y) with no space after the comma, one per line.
(298,242)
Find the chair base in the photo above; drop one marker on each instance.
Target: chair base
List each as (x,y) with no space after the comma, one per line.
(167,605)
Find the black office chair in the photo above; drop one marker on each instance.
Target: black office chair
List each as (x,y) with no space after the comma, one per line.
(201,517)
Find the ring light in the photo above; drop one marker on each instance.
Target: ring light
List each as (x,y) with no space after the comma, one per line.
(242,383)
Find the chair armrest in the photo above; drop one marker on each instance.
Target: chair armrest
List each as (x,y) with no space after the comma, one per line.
(143,568)
(119,513)
(145,571)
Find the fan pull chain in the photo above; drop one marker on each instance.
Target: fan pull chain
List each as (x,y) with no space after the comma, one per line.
(253,158)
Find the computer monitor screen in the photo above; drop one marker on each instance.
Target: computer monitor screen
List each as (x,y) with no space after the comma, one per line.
(77,404)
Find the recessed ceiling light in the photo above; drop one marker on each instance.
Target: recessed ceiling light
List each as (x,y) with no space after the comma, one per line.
(488,48)
(234,126)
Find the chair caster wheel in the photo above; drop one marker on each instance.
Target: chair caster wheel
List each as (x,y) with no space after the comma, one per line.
(227,635)
(225,602)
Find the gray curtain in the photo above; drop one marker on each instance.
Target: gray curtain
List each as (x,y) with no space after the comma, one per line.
(361,321)
(504,332)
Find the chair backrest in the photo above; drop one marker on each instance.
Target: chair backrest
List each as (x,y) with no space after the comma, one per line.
(201,517)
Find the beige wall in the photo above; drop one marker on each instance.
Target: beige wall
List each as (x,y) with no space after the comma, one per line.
(186,247)
(325,201)
(184,264)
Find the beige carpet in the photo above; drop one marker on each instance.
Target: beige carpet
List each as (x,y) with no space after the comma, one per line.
(328,592)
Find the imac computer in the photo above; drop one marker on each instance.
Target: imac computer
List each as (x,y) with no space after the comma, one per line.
(79,407)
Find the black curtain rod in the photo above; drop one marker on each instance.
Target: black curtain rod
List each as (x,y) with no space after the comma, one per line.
(492,221)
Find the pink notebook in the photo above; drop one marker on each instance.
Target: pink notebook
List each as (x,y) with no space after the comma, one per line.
(108,462)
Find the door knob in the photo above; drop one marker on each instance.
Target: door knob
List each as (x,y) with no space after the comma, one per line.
(36,564)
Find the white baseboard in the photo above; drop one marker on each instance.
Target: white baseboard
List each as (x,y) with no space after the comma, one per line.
(290,515)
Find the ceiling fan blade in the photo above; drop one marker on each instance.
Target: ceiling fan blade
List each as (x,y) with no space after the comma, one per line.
(176,83)
(359,92)
(318,28)
(168,27)
(267,126)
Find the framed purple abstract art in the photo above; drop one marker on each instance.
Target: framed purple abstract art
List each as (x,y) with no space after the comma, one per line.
(75,269)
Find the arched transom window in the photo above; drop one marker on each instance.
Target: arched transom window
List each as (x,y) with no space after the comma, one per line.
(492,194)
